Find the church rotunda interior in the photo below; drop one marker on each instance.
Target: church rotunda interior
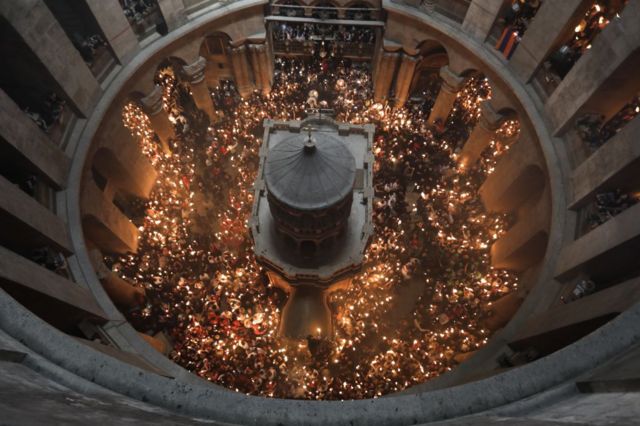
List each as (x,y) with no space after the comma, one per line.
(288,212)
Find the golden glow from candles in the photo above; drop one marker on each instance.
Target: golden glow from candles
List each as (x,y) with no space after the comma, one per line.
(206,290)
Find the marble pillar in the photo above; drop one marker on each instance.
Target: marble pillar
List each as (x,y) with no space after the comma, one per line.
(384,78)
(260,65)
(451,85)
(241,70)
(194,73)
(404,79)
(481,136)
(152,105)
(115,27)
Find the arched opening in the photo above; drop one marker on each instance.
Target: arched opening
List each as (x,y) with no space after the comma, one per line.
(289,8)
(324,10)
(214,50)
(360,11)
(145,17)
(426,79)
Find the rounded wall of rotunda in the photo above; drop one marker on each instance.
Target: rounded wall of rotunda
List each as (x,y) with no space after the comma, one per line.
(496,232)
(520,189)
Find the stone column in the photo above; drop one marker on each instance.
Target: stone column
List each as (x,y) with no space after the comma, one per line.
(46,39)
(260,63)
(481,136)
(256,65)
(266,59)
(378,50)
(152,106)
(404,78)
(386,71)
(553,23)
(194,73)
(20,133)
(451,85)
(241,70)
(115,27)
(173,13)
(480,17)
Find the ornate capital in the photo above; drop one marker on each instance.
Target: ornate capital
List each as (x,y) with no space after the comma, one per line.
(239,50)
(490,119)
(152,103)
(451,81)
(258,48)
(411,59)
(195,72)
(390,56)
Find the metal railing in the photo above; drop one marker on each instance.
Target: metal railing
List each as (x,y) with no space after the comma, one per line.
(349,50)
(452,9)
(325,12)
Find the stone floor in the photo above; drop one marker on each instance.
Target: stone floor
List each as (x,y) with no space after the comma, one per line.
(28,398)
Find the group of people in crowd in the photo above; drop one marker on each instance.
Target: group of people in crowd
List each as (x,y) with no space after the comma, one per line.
(583,288)
(419,305)
(88,46)
(303,32)
(49,113)
(514,22)
(324,10)
(137,10)
(594,131)
(608,204)
(324,40)
(597,17)
(519,14)
(50,258)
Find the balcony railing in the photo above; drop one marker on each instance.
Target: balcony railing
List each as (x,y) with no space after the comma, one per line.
(325,12)
(452,9)
(309,47)
(145,17)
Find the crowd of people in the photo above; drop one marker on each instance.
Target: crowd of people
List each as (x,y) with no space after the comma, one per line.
(583,288)
(594,131)
(324,10)
(606,205)
(597,17)
(416,309)
(49,112)
(88,46)
(320,32)
(357,12)
(520,13)
(514,22)
(137,10)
